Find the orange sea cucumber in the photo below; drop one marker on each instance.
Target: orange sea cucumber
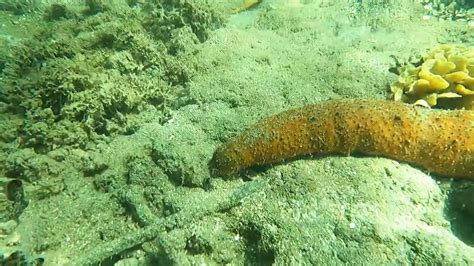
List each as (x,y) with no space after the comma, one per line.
(439,141)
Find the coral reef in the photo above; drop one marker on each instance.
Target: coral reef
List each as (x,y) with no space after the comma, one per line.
(440,141)
(444,79)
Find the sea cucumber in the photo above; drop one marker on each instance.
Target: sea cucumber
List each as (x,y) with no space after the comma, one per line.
(440,141)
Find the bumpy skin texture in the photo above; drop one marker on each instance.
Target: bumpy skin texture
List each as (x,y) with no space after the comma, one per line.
(439,141)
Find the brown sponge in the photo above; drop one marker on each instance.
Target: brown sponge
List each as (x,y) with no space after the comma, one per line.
(440,141)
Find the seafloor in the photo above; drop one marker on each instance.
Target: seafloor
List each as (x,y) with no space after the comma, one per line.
(111,111)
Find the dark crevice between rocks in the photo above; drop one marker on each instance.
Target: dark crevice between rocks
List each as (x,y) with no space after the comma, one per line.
(459,210)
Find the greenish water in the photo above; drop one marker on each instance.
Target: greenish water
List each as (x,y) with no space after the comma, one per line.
(111,110)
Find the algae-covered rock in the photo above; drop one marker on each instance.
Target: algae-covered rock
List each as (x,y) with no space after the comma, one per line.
(19,7)
(26,165)
(181,150)
(82,74)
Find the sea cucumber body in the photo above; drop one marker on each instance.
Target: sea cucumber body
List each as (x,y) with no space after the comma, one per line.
(439,141)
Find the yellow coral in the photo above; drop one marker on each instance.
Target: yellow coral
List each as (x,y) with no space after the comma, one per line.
(246,4)
(444,79)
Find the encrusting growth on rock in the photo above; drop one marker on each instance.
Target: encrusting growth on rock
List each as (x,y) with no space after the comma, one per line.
(439,141)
